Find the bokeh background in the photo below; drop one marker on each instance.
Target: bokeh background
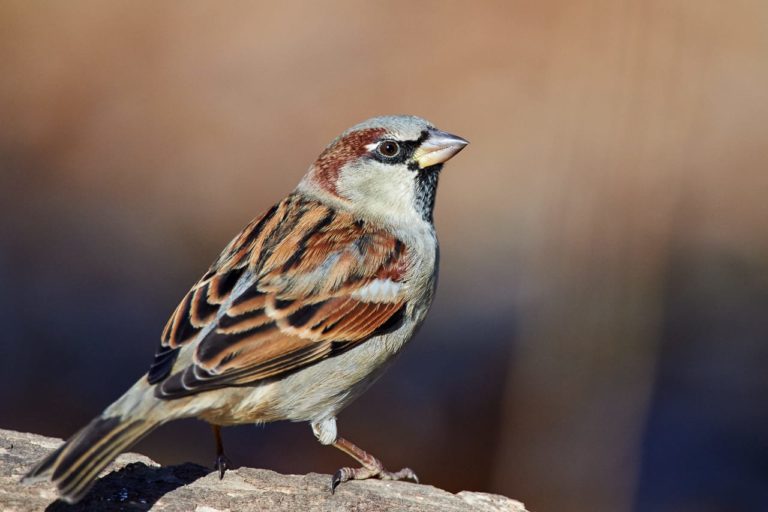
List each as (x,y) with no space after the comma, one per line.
(599,341)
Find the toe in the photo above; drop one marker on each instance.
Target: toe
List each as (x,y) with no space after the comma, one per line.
(409,474)
(403,474)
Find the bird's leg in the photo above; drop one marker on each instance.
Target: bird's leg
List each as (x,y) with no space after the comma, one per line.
(222,461)
(371,467)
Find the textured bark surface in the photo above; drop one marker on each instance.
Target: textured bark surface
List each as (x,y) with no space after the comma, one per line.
(135,482)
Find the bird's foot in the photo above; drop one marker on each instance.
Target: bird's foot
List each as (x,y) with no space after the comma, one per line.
(222,464)
(375,471)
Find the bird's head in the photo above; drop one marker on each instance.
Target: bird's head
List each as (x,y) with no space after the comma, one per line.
(385,167)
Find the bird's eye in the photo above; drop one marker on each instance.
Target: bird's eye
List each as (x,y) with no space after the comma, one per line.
(388,148)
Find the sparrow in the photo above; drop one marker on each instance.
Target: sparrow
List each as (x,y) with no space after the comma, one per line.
(301,311)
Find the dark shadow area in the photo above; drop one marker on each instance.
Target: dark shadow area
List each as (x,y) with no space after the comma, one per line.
(134,487)
(705,445)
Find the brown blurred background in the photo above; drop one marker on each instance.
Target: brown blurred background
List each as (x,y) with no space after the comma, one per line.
(599,341)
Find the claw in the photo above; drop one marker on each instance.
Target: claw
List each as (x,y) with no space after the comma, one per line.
(222,464)
(406,474)
(335,481)
(341,476)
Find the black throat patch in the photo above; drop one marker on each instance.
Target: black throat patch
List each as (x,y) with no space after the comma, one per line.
(426,189)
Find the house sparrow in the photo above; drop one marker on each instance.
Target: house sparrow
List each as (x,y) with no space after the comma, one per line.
(300,313)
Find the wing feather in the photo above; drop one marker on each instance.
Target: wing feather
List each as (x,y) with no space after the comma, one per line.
(281,296)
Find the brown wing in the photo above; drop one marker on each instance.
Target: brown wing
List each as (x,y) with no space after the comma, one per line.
(302,283)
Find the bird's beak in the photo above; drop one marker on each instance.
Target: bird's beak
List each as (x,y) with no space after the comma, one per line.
(438,148)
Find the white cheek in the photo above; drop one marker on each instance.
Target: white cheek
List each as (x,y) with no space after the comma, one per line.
(380,188)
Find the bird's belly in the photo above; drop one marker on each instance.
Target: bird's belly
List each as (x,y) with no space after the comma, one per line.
(314,392)
(324,389)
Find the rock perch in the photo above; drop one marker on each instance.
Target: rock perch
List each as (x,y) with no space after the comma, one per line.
(135,482)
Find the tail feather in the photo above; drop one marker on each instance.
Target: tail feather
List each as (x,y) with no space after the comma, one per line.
(43,469)
(74,466)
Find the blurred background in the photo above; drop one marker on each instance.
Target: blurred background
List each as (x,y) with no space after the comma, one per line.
(599,341)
